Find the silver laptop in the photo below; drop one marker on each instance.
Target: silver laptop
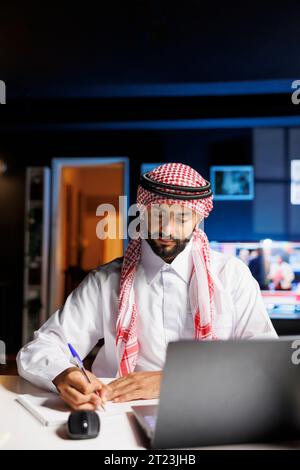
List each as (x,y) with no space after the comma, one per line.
(226,392)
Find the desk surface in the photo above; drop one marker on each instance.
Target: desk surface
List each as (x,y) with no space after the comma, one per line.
(117,431)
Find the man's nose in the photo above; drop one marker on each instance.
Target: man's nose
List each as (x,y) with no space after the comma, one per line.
(167,229)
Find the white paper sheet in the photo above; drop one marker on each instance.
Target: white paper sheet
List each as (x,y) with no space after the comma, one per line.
(50,410)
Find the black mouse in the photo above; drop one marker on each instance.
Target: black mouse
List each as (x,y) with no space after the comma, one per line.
(83,425)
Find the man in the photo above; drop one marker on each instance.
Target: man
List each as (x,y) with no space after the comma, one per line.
(169,286)
(281,274)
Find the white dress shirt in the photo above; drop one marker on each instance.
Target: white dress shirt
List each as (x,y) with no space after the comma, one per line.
(164,314)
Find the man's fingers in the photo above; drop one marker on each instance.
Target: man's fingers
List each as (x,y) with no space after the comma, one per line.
(108,392)
(129,395)
(75,406)
(127,388)
(87,406)
(78,381)
(104,393)
(121,380)
(117,384)
(78,397)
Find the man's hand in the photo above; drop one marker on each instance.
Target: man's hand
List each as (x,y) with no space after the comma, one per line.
(77,392)
(134,386)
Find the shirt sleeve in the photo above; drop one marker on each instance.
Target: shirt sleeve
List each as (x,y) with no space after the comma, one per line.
(79,322)
(252,319)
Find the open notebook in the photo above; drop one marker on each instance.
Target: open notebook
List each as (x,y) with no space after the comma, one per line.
(50,410)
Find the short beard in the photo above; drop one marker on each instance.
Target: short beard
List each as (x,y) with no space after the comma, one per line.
(161,250)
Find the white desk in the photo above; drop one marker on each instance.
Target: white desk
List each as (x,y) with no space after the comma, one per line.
(117,432)
(26,432)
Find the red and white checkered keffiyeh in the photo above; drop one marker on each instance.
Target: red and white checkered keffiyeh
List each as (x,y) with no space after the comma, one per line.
(201,299)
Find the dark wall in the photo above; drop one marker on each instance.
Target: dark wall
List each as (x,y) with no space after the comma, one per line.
(11,257)
(49,49)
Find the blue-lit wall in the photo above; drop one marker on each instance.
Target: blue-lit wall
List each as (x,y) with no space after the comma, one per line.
(270,214)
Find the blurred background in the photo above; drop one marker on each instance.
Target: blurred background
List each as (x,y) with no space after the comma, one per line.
(96,96)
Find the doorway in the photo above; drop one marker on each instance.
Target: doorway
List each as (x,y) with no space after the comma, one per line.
(79,186)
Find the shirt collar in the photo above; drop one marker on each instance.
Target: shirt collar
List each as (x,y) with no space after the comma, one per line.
(153,264)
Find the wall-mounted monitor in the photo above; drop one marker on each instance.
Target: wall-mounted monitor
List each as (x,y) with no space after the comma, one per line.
(231,183)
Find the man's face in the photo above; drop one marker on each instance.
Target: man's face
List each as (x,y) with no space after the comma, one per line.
(169,229)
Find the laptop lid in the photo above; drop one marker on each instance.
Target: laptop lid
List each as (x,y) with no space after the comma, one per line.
(222,392)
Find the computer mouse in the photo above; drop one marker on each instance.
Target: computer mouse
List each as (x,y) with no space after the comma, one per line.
(83,425)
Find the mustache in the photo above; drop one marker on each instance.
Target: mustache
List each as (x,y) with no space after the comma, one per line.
(157,235)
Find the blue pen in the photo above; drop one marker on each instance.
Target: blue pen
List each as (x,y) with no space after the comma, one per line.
(80,365)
